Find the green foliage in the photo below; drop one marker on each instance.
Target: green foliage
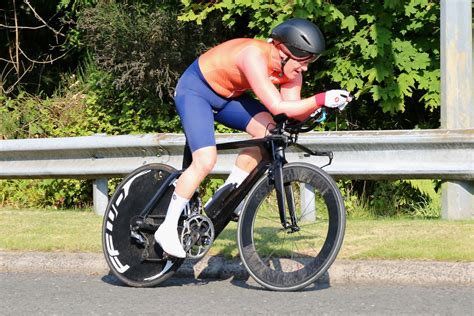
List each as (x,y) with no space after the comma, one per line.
(374,199)
(32,116)
(209,187)
(429,205)
(45,193)
(386,53)
(143,47)
(123,86)
(116,112)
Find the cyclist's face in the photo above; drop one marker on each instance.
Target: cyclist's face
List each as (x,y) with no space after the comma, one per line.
(294,68)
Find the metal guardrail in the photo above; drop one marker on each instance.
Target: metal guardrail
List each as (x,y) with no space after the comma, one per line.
(415,154)
(440,154)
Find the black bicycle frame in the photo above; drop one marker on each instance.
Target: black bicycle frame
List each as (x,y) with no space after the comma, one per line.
(273,159)
(272,149)
(225,205)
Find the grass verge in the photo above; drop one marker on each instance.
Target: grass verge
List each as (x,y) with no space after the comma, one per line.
(394,239)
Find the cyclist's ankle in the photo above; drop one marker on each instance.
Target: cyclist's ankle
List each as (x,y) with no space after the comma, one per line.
(236,176)
(175,208)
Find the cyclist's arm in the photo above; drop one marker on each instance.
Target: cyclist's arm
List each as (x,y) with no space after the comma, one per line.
(291,91)
(254,66)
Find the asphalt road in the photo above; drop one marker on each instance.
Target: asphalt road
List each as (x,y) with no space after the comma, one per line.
(77,294)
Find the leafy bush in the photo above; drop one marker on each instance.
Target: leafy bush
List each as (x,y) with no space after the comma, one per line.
(54,193)
(386,52)
(372,199)
(37,116)
(142,46)
(124,86)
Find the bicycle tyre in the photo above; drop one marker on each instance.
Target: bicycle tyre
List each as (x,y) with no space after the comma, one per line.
(284,261)
(130,261)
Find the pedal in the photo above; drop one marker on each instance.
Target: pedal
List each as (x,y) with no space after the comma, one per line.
(154,253)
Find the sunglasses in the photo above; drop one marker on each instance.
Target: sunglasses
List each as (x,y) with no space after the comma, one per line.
(307,60)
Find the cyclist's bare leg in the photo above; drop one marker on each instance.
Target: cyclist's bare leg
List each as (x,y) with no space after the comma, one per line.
(258,127)
(204,160)
(249,157)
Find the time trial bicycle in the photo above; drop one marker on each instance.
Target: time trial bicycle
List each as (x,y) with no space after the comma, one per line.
(289,231)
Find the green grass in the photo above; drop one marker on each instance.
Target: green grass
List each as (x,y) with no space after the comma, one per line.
(49,230)
(80,231)
(409,239)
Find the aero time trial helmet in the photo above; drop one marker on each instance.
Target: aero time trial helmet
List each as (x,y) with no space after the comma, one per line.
(302,38)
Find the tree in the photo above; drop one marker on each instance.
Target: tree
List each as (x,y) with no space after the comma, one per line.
(35,34)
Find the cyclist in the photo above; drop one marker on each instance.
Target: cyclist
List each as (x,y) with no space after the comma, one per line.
(213,88)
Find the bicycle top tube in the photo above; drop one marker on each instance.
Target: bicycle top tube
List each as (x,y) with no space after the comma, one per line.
(285,133)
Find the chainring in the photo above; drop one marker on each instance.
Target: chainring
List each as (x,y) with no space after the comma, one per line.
(197,236)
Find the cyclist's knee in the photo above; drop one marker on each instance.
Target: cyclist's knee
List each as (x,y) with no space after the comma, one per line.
(204,160)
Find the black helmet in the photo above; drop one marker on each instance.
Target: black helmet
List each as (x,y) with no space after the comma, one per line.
(301,37)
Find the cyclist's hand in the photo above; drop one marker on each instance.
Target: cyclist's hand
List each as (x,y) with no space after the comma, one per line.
(337,99)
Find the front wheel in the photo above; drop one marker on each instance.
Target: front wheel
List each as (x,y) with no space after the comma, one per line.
(287,259)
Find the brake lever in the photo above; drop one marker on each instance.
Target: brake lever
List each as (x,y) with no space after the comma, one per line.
(308,152)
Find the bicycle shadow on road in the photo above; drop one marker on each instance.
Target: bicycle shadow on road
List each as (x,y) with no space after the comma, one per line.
(171,282)
(238,281)
(321,284)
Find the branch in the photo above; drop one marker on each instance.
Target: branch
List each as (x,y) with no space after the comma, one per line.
(3,75)
(23,27)
(50,61)
(41,19)
(10,89)
(7,61)
(17,42)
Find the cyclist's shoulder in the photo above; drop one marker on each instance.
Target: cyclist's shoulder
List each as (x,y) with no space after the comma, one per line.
(230,53)
(241,43)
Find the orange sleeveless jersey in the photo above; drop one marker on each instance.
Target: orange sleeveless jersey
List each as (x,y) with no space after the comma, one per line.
(221,72)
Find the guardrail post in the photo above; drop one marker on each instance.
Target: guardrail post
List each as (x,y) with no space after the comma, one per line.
(308,203)
(458,200)
(100,196)
(457,110)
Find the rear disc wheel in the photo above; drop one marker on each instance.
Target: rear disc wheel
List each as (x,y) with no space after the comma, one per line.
(133,256)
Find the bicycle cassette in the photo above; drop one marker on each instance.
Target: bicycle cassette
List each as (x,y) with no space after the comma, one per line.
(197,236)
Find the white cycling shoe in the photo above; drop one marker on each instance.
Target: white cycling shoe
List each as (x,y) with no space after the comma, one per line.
(168,239)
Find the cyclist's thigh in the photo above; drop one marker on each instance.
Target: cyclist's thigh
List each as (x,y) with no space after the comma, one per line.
(197,118)
(238,112)
(260,124)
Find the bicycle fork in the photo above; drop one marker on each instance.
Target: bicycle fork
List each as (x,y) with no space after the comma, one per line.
(284,193)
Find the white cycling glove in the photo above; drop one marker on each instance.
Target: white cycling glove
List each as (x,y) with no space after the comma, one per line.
(337,99)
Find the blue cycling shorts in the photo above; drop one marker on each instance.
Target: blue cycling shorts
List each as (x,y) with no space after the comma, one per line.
(199,106)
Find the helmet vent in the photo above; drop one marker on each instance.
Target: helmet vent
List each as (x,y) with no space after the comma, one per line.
(306,40)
